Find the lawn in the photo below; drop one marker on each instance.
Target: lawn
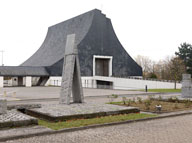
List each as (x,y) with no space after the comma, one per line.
(164,90)
(93,121)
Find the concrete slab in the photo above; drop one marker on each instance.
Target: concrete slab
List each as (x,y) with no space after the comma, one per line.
(62,112)
(13,118)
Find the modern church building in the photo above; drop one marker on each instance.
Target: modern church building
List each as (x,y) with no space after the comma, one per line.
(100,55)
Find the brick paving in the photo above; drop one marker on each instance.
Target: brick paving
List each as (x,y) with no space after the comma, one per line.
(14,118)
(168,130)
(14,115)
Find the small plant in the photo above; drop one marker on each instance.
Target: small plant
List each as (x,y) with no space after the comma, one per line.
(124,99)
(173,99)
(151,97)
(114,95)
(139,99)
(160,98)
(129,102)
(187,103)
(133,101)
(110,99)
(147,104)
(176,105)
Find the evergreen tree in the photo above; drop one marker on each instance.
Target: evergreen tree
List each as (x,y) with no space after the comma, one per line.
(185,53)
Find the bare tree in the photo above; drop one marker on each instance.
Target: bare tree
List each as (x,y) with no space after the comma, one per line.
(177,68)
(162,69)
(145,63)
(171,68)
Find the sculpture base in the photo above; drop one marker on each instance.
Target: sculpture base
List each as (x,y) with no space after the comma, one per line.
(63,112)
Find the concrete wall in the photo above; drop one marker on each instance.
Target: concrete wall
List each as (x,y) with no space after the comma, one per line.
(118,83)
(1,81)
(28,81)
(125,83)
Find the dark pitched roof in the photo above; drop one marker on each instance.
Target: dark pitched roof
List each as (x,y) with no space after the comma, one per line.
(94,36)
(52,49)
(22,71)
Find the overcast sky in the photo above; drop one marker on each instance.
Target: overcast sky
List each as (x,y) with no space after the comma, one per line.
(153,28)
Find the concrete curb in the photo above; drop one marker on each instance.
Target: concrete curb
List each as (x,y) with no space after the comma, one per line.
(166,115)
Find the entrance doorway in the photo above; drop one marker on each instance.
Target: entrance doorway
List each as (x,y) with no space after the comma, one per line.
(102,65)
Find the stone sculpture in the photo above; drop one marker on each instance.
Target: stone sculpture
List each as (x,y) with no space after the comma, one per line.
(71,76)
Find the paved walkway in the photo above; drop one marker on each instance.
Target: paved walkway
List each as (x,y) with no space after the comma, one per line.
(24,93)
(167,130)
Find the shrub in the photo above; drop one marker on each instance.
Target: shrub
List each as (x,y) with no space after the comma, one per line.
(129,102)
(151,97)
(147,104)
(160,98)
(133,101)
(173,99)
(139,99)
(124,99)
(187,103)
(114,95)
(176,105)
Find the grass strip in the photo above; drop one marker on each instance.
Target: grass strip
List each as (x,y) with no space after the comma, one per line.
(93,121)
(164,90)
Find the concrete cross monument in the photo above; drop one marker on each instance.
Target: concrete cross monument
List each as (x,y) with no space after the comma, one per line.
(71,76)
(186,86)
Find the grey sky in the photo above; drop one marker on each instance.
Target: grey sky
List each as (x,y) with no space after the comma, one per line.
(153,28)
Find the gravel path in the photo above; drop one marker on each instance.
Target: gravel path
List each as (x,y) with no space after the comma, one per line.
(167,130)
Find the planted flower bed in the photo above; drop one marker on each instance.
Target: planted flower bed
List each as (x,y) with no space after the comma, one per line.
(157,105)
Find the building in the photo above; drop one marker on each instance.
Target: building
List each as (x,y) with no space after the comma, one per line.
(100,54)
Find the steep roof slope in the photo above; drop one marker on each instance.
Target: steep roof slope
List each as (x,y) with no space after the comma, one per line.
(94,36)
(52,49)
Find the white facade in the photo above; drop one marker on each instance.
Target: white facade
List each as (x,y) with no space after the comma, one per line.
(118,83)
(1,81)
(28,82)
